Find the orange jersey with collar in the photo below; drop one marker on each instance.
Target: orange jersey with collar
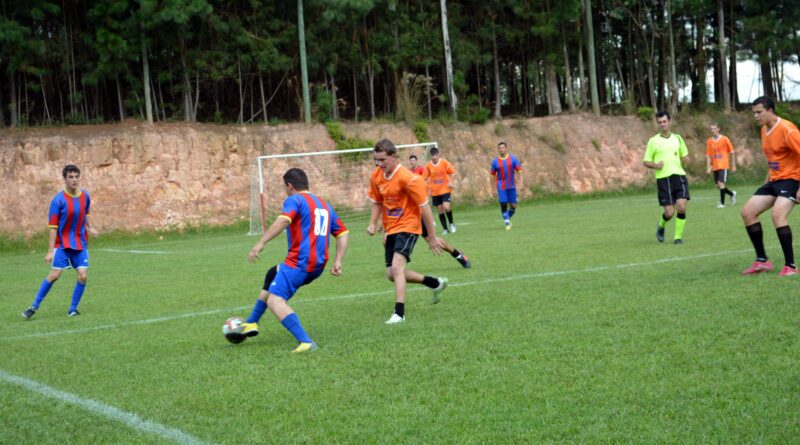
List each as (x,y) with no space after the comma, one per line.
(438,176)
(719,152)
(401,196)
(781,146)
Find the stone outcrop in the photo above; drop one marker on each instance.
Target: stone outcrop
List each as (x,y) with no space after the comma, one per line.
(145,177)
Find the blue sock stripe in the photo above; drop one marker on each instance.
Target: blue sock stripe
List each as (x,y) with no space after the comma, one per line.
(292,324)
(43,290)
(77,294)
(258,310)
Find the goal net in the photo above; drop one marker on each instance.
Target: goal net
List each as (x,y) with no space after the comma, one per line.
(340,177)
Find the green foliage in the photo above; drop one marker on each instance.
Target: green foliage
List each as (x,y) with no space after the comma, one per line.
(470,110)
(322,108)
(553,141)
(420,129)
(645,113)
(596,144)
(343,142)
(788,112)
(500,129)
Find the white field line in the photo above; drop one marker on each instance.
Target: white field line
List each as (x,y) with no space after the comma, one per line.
(385,292)
(155,252)
(132,420)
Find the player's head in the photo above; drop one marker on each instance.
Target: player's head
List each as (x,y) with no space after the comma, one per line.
(663,120)
(763,110)
(385,155)
(412,160)
(70,168)
(714,129)
(502,148)
(297,179)
(72,176)
(435,154)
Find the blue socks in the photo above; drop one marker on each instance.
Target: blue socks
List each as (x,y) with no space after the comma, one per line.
(292,324)
(511,212)
(43,290)
(258,311)
(76,295)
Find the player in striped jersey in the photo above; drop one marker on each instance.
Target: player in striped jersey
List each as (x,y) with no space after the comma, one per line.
(505,169)
(67,247)
(307,221)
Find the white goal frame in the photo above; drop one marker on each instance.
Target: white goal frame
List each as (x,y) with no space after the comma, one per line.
(262,162)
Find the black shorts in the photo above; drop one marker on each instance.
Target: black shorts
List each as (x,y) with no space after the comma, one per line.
(786,188)
(671,189)
(402,243)
(439,199)
(720,175)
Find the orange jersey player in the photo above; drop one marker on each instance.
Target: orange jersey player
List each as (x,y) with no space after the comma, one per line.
(439,174)
(720,158)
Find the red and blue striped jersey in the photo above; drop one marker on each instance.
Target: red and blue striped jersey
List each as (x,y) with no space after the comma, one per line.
(503,169)
(311,221)
(68,216)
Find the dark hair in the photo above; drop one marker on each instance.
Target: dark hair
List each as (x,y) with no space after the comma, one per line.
(434,151)
(663,113)
(385,146)
(501,143)
(767,102)
(297,177)
(412,157)
(70,168)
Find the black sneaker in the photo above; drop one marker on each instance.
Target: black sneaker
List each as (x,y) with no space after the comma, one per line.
(678,241)
(660,234)
(74,313)
(28,313)
(464,261)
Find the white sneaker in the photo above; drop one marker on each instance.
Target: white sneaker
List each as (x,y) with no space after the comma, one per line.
(733,198)
(720,206)
(452,228)
(395,319)
(437,293)
(444,232)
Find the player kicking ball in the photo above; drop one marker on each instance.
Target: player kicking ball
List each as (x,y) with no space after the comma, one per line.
(309,221)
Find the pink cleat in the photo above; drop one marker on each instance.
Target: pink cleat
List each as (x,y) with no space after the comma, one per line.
(788,270)
(758,267)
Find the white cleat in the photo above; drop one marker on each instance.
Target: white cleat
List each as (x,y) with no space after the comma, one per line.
(452,228)
(394,319)
(720,206)
(445,232)
(733,198)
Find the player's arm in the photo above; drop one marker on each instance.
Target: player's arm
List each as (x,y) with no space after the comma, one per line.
(427,219)
(280,224)
(649,156)
(733,161)
(90,227)
(341,248)
(373,218)
(708,164)
(51,245)
(519,180)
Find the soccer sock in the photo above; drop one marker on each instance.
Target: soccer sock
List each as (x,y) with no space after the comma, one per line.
(664,220)
(430,282)
(757,238)
(258,310)
(727,191)
(722,196)
(504,211)
(443,220)
(450,216)
(785,237)
(77,293)
(455,253)
(292,324)
(400,309)
(680,221)
(43,290)
(511,212)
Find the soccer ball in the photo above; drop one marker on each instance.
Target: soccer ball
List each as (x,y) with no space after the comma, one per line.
(232,329)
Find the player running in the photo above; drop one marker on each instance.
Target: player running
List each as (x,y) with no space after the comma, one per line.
(439,175)
(506,169)
(720,157)
(308,222)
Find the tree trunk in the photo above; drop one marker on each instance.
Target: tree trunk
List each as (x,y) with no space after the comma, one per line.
(673,78)
(301,30)
(734,87)
(355,95)
(146,80)
(592,63)
(371,88)
(428,90)
(584,91)
(553,99)
(44,101)
(448,59)
(240,119)
(335,104)
(119,99)
(14,106)
(699,89)
(568,76)
(496,68)
(766,76)
(726,94)
(263,99)
(187,87)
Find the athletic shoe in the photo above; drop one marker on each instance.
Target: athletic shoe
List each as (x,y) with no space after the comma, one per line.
(788,270)
(452,228)
(305,347)
(733,197)
(720,206)
(444,232)
(464,261)
(73,313)
(28,313)
(758,267)
(394,319)
(249,329)
(437,292)
(508,224)
(660,234)
(678,241)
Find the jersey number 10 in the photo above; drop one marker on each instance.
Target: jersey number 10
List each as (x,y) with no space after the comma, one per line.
(320,222)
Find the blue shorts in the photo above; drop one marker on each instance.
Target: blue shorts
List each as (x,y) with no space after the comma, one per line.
(66,258)
(287,280)
(507,196)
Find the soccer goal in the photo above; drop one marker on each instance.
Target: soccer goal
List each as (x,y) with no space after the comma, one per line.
(340,177)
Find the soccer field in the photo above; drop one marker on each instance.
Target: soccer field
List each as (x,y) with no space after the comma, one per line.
(575,326)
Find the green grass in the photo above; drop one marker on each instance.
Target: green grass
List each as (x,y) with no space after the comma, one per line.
(574,327)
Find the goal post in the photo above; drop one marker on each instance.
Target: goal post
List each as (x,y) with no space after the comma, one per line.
(340,177)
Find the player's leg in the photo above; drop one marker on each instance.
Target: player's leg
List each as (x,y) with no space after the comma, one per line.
(667,202)
(512,202)
(396,274)
(448,210)
(60,262)
(250,326)
(462,259)
(780,218)
(291,322)
(760,202)
(439,203)
(503,199)
(80,261)
(680,220)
